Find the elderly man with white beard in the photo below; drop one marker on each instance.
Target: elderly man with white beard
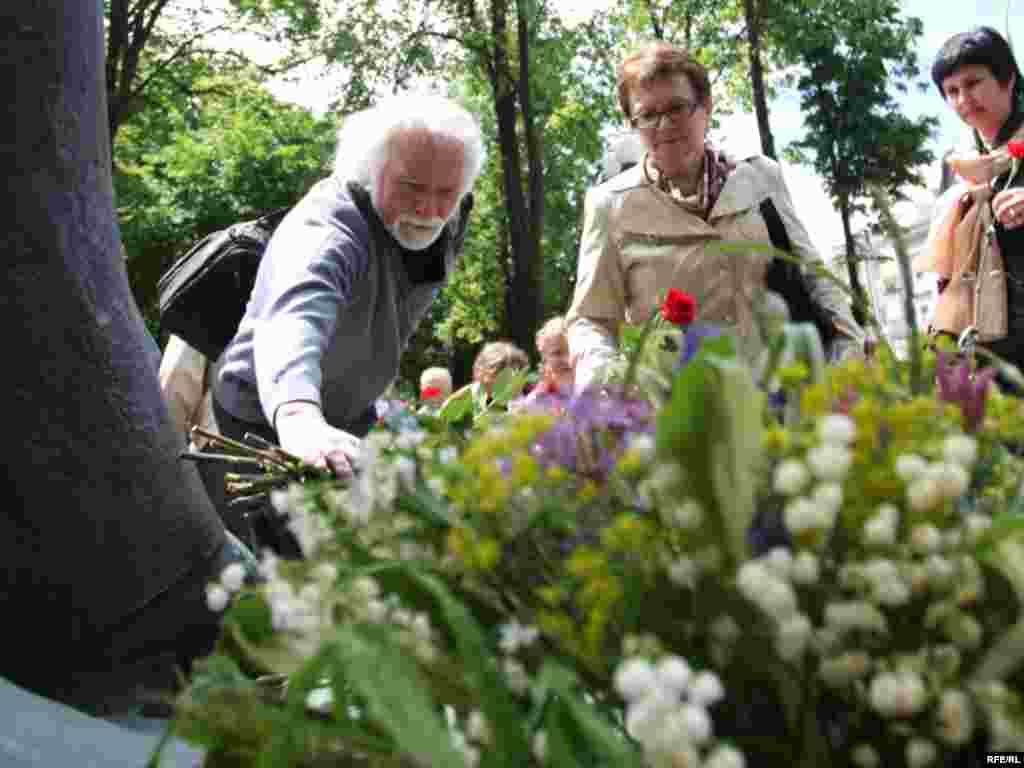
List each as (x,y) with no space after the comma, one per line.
(347,277)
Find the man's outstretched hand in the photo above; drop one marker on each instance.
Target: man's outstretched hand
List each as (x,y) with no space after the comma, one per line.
(303,431)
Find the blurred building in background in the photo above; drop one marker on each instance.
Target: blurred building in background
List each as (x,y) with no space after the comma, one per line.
(880,271)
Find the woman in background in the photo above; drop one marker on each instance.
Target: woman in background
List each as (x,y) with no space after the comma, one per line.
(976,245)
(656,225)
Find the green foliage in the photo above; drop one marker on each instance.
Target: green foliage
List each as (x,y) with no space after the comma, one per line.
(857,58)
(186,167)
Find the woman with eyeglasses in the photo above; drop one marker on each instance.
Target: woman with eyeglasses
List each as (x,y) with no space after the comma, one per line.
(976,245)
(661,225)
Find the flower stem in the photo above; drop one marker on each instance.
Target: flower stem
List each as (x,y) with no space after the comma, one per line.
(894,232)
(635,359)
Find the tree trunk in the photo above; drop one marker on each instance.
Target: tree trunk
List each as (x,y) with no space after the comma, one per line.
(852,262)
(99,516)
(532,296)
(524,312)
(752,10)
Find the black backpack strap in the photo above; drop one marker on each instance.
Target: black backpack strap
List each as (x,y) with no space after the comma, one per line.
(776,229)
(785,278)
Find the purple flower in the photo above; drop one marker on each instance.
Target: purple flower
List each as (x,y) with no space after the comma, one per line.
(957,385)
(590,432)
(695,333)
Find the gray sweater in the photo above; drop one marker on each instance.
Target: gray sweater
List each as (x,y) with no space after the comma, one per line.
(335,302)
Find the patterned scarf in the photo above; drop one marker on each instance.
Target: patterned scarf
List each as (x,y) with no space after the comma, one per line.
(717,167)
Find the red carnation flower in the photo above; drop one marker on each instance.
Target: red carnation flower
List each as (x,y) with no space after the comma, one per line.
(1016,149)
(679,307)
(428,392)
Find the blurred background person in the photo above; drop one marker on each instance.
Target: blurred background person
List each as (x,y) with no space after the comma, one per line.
(435,387)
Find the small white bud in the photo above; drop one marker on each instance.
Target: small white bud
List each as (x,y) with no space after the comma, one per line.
(923,494)
(780,561)
(910,466)
(791,477)
(698,723)
(644,447)
(829,496)
(960,449)
(805,568)
(925,539)
(956,723)
(634,679)
(829,461)
(837,428)
(725,756)
(900,694)
(477,728)
(320,700)
(216,597)
(920,753)
(865,756)
(233,577)
(673,673)
(706,689)
(952,479)
(879,532)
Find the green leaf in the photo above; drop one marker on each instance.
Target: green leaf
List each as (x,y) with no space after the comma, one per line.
(736,450)
(711,425)
(381,673)
(250,612)
(508,385)
(1006,655)
(422,504)
(511,746)
(574,726)
(457,407)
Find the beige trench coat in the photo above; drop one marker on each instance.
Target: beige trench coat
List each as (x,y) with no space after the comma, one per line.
(184,384)
(638,242)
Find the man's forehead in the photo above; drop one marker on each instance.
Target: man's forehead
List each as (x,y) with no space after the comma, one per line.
(417,146)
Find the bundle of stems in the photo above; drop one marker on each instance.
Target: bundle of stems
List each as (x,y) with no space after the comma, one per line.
(269,465)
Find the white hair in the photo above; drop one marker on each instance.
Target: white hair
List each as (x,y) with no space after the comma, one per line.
(364,138)
(622,151)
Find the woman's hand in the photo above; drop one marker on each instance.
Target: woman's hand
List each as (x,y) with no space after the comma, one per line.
(1008,207)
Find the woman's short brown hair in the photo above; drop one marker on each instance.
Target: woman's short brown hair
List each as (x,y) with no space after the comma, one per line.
(554,328)
(494,358)
(655,61)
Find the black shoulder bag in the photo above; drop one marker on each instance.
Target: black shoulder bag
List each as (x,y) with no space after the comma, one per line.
(787,279)
(203,296)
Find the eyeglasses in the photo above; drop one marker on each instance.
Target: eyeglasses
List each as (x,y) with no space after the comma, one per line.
(672,114)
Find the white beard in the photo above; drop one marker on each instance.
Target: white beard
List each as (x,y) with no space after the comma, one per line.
(414,233)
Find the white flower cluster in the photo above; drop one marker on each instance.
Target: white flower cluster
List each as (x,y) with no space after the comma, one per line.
(469,738)
(514,638)
(667,713)
(662,485)
(929,484)
(218,593)
(767,582)
(814,484)
(304,522)
(302,612)
(374,488)
(366,603)
(899,694)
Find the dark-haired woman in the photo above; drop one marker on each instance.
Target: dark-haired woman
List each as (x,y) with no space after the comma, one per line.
(977,240)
